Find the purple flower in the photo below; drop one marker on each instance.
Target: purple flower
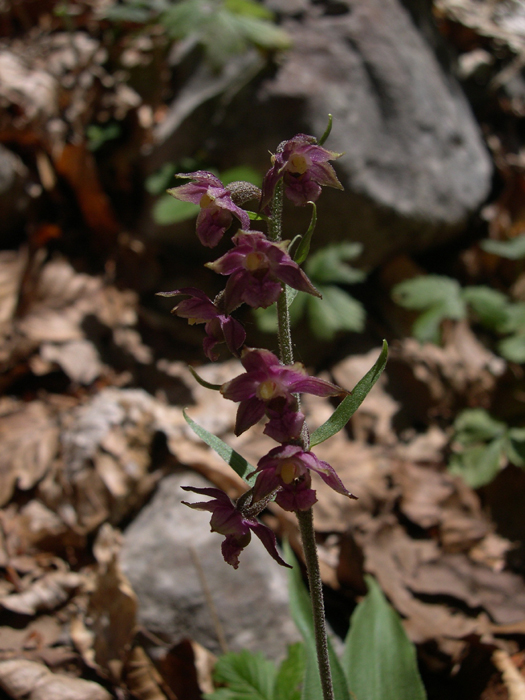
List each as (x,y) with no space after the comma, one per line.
(268,387)
(304,167)
(220,327)
(215,202)
(234,525)
(289,467)
(257,267)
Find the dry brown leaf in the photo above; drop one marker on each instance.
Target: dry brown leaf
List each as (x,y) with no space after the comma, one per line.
(43,632)
(512,678)
(105,635)
(34,681)
(143,680)
(28,443)
(77,358)
(48,593)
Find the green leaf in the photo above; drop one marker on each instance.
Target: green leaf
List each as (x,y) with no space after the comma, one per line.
(184,18)
(474,425)
(440,297)
(489,305)
(515,448)
(328,265)
(249,8)
(290,674)
(336,311)
(234,459)
(512,250)
(427,328)
(379,659)
(304,246)
(99,134)
(513,348)
(158,181)
(168,210)
(351,403)
(241,172)
(263,33)
(478,465)
(247,676)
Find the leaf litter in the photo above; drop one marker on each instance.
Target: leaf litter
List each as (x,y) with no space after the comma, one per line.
(77,466)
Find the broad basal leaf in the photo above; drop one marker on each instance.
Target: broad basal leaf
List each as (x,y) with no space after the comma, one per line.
(290,675)
(246,676)
(379,660)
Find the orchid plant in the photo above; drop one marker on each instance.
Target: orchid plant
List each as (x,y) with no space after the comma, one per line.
(264,269)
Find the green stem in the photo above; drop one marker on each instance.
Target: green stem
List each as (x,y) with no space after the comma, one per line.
(275,223)
(306,526)
(305,518)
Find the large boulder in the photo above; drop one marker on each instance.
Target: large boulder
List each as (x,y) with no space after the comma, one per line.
(415,165)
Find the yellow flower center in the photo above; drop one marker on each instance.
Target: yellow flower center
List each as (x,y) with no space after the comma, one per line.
(266,390)
(288,471)
(254,261)
(206,200)
(193,321)
(298,164)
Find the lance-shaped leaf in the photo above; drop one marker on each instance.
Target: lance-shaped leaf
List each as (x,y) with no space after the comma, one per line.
(351,403)
(379,659)
(229,455)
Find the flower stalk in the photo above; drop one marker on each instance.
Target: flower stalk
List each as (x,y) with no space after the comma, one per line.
(305,518)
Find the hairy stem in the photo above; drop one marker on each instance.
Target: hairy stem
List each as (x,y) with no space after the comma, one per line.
(305,518)
(306,525)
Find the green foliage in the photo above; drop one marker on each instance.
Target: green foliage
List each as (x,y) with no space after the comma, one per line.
(99,134)
(168,210)
(223,28)
(247,676)
(337,310)
(230,456)
(436,297)
(441,298)
(379,660)
(512,250)
(350,403)
(482,445)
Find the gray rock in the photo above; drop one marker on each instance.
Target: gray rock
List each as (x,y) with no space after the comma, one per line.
(252,601)
(415,167)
